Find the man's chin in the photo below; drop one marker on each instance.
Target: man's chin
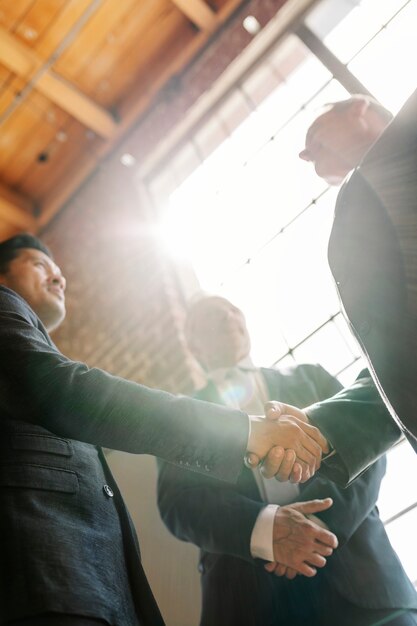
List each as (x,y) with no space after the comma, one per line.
(55,318)
(335,179)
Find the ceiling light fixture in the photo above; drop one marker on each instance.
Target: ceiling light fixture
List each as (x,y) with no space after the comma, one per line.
(251,25)
(127,159)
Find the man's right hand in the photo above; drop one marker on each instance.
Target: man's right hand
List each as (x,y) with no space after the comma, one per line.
(300,543)
(280,436)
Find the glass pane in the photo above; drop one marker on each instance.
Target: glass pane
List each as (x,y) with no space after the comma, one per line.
(326,347)
(217,165)
(349,374)
(290,185)
(334,21)
(394,48)
(261,83)
(297,74)
(253,290)
(304,278)
(402,466)
(248,138)
(327,14)
(402,536)
(303,75)
(291,279)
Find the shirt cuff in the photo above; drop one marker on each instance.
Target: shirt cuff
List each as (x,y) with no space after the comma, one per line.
(329,455)
(261,542)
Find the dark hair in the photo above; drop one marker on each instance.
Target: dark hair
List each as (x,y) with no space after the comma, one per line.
(10,248)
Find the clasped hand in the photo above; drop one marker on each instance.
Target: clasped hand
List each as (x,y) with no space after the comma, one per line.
(301,542)
(289,447)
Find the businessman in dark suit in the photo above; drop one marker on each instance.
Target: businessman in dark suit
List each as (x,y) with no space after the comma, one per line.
(373,258)
(235,527)
(69,555)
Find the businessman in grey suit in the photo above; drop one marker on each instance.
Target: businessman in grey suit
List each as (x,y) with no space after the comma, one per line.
(238,527)
(373,258)
(69,554)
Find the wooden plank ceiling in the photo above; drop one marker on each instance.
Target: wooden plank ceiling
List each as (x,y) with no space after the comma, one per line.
(74,76)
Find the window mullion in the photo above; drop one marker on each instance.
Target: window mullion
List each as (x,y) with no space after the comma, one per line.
(339,70)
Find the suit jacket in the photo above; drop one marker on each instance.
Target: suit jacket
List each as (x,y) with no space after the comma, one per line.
(373,257)
(66,540)
(236,589)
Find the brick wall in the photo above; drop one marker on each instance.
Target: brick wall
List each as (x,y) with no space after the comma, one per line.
(125,311)
(125,308)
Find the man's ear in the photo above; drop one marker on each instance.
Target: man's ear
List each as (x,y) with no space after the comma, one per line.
(358,108)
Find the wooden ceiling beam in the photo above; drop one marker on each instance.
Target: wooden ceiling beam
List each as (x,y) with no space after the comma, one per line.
(14,55)
(136,103)
(77,104)
(19,59)
(16,210)
(198,12)
(130,111)
(69,18)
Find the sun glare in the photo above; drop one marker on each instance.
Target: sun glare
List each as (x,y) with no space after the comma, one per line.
(253,220)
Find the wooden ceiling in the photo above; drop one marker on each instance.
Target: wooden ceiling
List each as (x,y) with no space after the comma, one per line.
(75,75)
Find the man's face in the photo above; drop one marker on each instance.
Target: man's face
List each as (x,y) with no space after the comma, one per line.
(35,277)
(219,336)
(335,144)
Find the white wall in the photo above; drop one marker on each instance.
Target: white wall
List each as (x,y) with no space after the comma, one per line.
(171,565)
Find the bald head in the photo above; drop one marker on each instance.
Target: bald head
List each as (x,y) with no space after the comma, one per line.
(216,333)
(339,138)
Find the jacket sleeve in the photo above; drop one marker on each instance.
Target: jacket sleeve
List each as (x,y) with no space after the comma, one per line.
(40,385)
(210,514)
(352,505)
(359,427)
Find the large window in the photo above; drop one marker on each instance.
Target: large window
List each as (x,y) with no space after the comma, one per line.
(253,220)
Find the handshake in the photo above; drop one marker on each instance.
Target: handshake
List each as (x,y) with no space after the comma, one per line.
(291,449)
(287,445)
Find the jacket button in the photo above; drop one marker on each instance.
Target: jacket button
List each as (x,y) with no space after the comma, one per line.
(109,492)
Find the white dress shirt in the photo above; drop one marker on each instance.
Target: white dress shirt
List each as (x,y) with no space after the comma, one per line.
(243,387)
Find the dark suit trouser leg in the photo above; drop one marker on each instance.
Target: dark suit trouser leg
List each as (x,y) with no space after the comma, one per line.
(349,614)
(237,593)
(312,602)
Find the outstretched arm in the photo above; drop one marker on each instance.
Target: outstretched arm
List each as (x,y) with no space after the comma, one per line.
(356,424)
(72,400)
